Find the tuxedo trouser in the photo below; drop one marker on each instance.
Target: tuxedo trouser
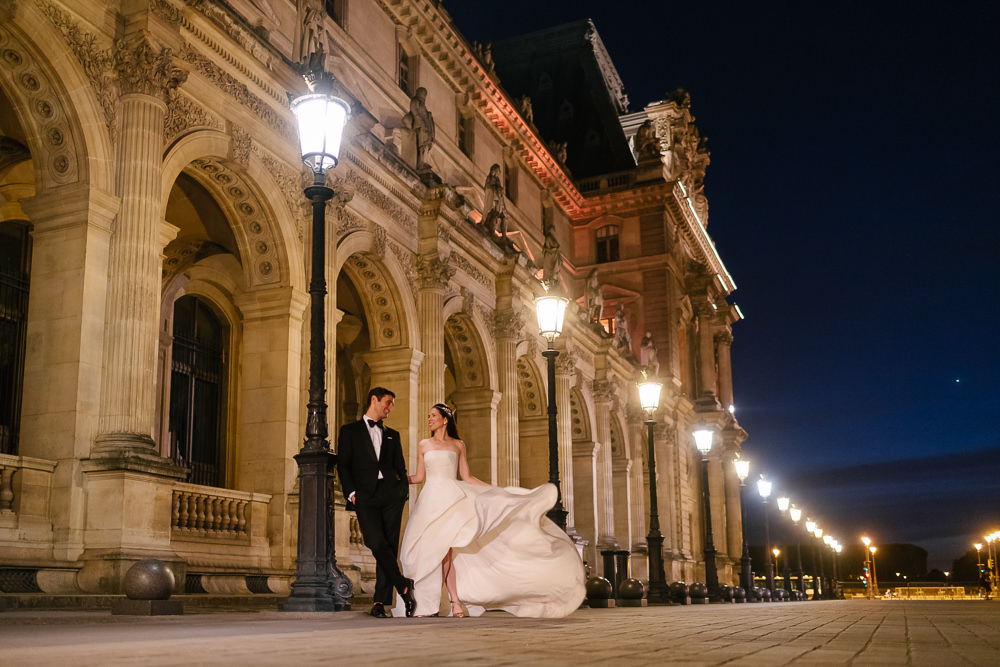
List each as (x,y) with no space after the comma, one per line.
(379,519)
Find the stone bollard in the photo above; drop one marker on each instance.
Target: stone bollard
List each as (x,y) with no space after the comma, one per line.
(599,593)
(726,593)
(630,594)
(609,571)
(698,592)
(679,593)
(740,595)
(148,585)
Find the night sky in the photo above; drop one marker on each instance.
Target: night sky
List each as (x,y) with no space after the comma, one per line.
(853,195)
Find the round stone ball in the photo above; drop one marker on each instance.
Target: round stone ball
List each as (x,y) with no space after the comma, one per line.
(764,594)
(678,590)
(631,589)
(726,592)
(598,588)
(740,594)
(698,590)
(781,595)
(149,579)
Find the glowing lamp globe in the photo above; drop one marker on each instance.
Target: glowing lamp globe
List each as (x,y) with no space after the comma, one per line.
(783,504)
(649,395)
(551,311)
(703,440)
(321,119)
(763,488)
(742,468)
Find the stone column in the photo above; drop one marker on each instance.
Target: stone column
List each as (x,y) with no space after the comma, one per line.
(732,547)
(398,369)
(723,345)
(433,274)
(509,327)
(639,480)
(565,373)
(604,400)
(707,392)
(477,417)
(128,381)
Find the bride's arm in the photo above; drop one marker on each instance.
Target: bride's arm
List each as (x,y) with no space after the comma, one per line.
(463,467)
(419,475)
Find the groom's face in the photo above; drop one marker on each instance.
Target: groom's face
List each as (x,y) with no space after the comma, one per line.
(381,407)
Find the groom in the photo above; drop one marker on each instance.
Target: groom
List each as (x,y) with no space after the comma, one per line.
(373,475)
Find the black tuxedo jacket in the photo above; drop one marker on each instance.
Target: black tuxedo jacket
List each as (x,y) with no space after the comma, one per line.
(358,468)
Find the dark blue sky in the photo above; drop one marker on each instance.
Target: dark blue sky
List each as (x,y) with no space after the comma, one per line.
(854,196)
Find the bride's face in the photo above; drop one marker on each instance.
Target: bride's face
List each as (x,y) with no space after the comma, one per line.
(435,420)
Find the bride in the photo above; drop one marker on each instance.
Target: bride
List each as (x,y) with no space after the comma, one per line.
(493,548)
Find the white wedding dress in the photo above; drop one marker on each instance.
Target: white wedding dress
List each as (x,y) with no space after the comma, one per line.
(507,554)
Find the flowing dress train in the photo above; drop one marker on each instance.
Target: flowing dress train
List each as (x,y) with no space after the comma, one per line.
(508,555)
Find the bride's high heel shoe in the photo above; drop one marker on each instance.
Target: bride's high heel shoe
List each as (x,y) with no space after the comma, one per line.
(456,609)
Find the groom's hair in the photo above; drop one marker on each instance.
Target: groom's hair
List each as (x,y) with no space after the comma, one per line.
(378,393)
(450,428)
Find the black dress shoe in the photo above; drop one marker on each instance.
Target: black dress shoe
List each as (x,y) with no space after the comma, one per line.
(408,601)
(378,610)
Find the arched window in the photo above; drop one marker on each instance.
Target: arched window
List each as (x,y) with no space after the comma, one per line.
(607,244)
(15,263)
(197,391)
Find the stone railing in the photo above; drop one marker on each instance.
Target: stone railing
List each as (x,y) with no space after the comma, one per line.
(209,512)
(622,180)
(25,489)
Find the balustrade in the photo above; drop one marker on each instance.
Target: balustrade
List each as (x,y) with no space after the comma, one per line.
(203,511)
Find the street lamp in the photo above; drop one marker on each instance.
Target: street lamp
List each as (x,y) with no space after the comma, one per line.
(784,504)
(319,585)
(746,574)
(872,549)
(831,591)
(837,547)
(867,542)
(796,514)
(825,583)
(551,311)
(649,399)
(764,489)
(703,441)
(776,551)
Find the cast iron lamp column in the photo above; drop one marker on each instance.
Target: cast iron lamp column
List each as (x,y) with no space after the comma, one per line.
(783,504)
(811,529)
(703,441)
(746,574)
(796,514)
(319,585)
(824,584)
(649,399)
(551,310)
(764,489)
(831,591)
(873,549)
(867,542)
(837,548)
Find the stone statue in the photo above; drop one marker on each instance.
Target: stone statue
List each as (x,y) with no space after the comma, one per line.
(595,298)
(420,120)
(313,13)
(647,355)
(558,150)
(647,146)
(524,105)
(623,341)
(552,261)
(494,208)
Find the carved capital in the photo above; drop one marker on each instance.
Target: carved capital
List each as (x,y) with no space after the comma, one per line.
(433,272)
(142,68)
(724,338)
(606,391)
(566,364)
(509,324)
(8,9)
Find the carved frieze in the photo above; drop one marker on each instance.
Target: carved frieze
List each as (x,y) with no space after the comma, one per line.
(290,182)
(381,200)
(488,316)
(405,258)
(239,91)
(183,114)
(379,239)
(166,11)
(473,272)
(242,143)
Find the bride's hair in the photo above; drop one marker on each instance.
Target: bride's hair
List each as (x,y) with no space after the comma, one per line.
(449,415)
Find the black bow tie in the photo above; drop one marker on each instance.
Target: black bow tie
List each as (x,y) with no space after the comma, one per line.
(372,422)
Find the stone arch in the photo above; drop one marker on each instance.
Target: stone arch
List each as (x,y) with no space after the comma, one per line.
(531,396)
(468,353)
(68,133)
(579,415)
(388,323)
(469,388)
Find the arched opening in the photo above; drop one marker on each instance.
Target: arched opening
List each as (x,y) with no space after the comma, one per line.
(467,389)
(533,424)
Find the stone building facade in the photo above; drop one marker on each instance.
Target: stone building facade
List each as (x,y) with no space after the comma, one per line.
(153,304)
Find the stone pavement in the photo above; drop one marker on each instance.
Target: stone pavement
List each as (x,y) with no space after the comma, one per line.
(844,632)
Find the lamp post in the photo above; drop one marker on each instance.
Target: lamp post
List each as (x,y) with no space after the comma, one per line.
(319,585)
(831,591)
(649,399)
(872,549)
(551,311)
(746,574)
(824,583)
(867,542)
(837,547)
(703,441)
(811,529)
(776,551)
(796,515)
(783,506)
(764,489)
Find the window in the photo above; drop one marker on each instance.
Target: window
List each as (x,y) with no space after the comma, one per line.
(197,384)
(407,67)
(337,10)
(510,181)
(466,133)
(403,74)
(607,244)
(15,262)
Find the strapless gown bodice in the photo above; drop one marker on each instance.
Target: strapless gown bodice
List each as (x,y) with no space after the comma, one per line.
(507,554)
